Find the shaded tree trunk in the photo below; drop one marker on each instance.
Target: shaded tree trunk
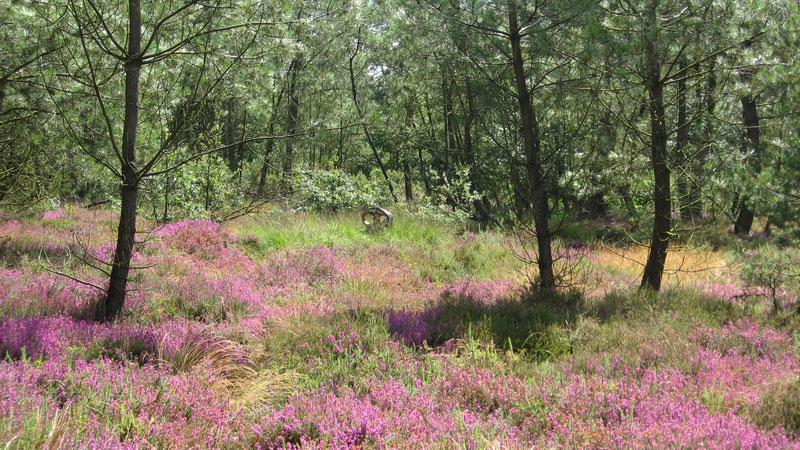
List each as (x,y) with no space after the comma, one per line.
(659,241)
(744,221)
(270,146)
(447,109)
(291,116)
(423,172)
(681,144)
(360,113)
(229,126)
(409,190)
(407,185)
(481,213)
(530,136)
(126,232)
(521,202)
(694,201)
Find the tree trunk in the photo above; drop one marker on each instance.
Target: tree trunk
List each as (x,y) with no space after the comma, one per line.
(407,155)
(422,172)
(340,148)
(268,148)
(126,232)
(262,178)
(695,193)
(659,242)
(2,95)
(744,221)
(446,111)
(481,213)
(360,113)
(229,126)
(521,202)
(530,136)
(681,144)
(291,119)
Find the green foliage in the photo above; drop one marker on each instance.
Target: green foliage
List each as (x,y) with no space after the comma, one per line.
(770,271)
(203,188)
(335,190)
(455,191)
(780,406)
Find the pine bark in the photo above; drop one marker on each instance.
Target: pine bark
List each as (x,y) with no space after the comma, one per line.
(291,116)
(744,221)
(112,304)
(481,212)
(659,241)
(530,137)
(681,147)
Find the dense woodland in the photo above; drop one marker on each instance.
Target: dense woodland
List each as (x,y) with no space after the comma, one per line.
(670,115)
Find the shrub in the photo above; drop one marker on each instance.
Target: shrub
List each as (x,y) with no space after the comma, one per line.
(770,271)
(334,190)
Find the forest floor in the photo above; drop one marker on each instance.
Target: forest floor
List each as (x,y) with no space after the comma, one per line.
(293,330)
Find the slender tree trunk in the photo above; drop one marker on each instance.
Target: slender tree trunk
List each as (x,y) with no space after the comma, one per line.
(229,133)
(407,155)
(482,214)
(166,198)
(262,178)
(521,203)
(360,113)
(744,221)
(126,232)
(423,169)
(2,95)
(709,95)
(659,242)
(446,111)
(422,172)
(530,136)
(681,144)
(270,146)
(340,149)
(291,117)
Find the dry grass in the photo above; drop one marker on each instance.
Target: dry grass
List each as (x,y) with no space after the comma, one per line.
(232,367)
(683,265)
(43,432)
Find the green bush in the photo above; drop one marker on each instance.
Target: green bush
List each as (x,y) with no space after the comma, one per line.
(770,271)
(205,187)
(334,190)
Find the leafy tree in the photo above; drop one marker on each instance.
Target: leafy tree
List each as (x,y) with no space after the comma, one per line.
(154,50)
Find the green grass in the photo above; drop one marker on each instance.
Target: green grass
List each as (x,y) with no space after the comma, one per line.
(435,252)
(281,230)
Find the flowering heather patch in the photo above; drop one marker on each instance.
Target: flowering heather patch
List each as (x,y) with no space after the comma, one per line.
(211,340)
(54,214)
(24,293)
(413,327)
